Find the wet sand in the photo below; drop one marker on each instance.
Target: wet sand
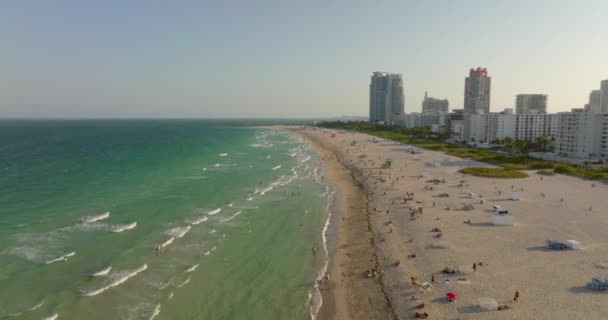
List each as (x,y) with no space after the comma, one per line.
(349,294)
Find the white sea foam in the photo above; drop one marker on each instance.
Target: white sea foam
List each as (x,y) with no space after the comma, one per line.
(36,306)
(276,168)
(315,299)
(185,282)
(124,227)
(38,247)
(231,217)
(209,252)
(289,180)
(191,269)
(249,199)
(96,218)
(204,169)
(216,165)
(170,295)
(17,314)
(305,159)
(155,313)
(102,272)
(201,220)
(223,154)
(62,258)
(230,205)
(179,232)
(216,211)
(212,231)
(119,280)
(266,190)
(51,317)
(168,242)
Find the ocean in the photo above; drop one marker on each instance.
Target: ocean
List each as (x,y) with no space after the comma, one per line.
(85,206)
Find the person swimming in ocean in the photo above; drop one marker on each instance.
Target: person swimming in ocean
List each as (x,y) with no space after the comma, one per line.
(314,249)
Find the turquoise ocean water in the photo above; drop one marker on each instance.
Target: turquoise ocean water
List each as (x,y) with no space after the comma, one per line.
(84,204)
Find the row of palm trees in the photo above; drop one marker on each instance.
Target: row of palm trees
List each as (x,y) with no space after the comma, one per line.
(510,145)
(541,144)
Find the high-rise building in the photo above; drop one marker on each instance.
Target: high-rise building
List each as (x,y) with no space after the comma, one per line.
(582,135)
(595,104)
(531,104)
(434,106)
(477,91)
(604,96)
(385,97)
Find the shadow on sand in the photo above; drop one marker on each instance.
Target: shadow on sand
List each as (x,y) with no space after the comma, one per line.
(468,309)
(544,249)
(481,224)
(586,290)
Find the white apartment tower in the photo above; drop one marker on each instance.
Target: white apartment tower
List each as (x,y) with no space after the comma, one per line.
(604,96)
(531,103)
(595,104)
(582,135)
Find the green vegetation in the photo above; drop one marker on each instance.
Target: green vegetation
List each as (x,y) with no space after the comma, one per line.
(565,169)
(512,156)
(543,165)
(546,172)
(494,172)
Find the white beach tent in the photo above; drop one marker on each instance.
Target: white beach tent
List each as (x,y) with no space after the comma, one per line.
(502,217)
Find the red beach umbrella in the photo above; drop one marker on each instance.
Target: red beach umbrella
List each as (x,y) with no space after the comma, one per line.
(451,296)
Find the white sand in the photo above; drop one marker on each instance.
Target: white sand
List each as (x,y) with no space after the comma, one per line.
(551,283)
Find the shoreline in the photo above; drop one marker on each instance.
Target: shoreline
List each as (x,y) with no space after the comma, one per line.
(348,294)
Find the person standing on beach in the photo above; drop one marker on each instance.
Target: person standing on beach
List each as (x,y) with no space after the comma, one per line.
(516,298)
(314,249)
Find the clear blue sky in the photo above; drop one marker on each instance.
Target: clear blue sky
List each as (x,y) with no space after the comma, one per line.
(288,58)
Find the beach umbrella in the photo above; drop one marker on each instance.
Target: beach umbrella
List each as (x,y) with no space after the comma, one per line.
(451,296)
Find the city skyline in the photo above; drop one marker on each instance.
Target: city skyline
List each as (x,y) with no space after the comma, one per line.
(306,59)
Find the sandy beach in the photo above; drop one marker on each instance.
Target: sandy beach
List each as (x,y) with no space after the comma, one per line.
(390,242)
